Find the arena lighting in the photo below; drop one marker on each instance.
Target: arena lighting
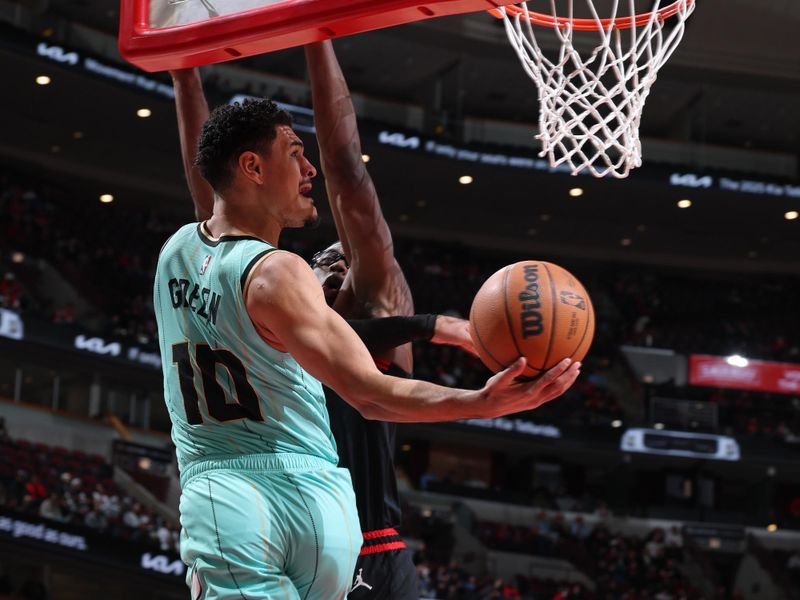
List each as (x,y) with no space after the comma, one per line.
(685,203)
(616,423)
(465,179)
(772,527)
(737,361)
(144,113)
(791,215)
(43,80)
(106,198)
(365,157)
(576,192)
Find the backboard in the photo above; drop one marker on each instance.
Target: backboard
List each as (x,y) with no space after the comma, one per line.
(170,34)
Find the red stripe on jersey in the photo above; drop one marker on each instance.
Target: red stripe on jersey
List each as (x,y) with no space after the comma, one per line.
(371,535)
(366,550)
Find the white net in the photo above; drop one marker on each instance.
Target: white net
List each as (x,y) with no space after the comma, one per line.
(591,105)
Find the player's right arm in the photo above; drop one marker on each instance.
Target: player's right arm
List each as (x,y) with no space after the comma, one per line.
(287,306)
(192,110)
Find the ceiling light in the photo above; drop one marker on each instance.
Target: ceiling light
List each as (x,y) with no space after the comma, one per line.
(576,192)
(616,423)
(55,148)
(421,203)
(465,179)
(685,203)
(17,257)
(772,527)
(143,113)
(626,241)
(77,135)
(531,231)
(404,217)
(659,426)
(43,80)
(737,361)
(106,198)
(365,157)
(791,215)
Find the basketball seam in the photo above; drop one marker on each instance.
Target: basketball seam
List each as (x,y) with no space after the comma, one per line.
(485,349)
(589,318)
(553,319)
(508,311)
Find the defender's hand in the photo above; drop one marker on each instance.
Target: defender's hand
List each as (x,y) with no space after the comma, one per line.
(504,394)
(452,331)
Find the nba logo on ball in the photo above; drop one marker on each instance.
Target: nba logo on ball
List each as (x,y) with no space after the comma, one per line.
(572,299)
(533,309)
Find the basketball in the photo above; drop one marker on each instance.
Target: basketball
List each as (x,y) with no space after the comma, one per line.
(533,309)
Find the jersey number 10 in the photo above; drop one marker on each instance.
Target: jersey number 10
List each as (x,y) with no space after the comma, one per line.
(245,403)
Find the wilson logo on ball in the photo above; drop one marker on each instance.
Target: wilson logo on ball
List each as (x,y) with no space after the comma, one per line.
(530,316)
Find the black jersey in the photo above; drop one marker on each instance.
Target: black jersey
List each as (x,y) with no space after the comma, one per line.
(367,449)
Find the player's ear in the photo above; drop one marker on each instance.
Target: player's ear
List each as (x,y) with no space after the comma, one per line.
(252,166)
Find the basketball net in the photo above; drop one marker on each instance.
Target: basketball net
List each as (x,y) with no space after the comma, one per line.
(591,106)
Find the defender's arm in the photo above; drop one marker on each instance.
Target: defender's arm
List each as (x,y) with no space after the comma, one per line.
(192,110)
(376,277)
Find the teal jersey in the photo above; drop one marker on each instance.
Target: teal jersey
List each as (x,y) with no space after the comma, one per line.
(228,392)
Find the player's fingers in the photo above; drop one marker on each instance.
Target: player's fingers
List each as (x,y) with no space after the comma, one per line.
(514,370)
(551,375)
(563,382)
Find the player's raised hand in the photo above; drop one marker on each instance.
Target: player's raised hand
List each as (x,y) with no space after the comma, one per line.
(505,393)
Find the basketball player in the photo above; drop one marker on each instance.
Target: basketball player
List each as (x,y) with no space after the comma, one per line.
(385,568)
(265,512)
(373,286)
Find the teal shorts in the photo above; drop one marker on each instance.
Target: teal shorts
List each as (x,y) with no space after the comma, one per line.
(268,526)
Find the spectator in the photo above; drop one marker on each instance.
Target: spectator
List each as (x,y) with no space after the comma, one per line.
(50,508)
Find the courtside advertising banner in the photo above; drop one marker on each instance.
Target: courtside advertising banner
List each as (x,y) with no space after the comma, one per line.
(756,375)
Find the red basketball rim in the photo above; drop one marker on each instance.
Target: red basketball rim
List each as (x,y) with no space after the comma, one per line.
(593,24)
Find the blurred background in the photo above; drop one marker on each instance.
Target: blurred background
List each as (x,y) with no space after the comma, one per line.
(670,470)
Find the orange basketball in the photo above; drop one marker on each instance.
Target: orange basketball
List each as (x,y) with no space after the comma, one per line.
(533,309)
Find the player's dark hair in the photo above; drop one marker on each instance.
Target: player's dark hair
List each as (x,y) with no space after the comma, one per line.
(232,129)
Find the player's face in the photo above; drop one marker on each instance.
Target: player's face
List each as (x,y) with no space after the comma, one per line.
(331,267)
(288,175)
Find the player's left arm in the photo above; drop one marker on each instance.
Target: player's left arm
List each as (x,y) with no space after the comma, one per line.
(376,278)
